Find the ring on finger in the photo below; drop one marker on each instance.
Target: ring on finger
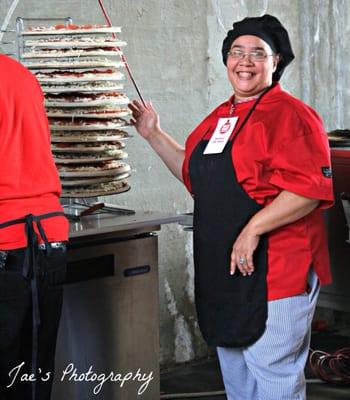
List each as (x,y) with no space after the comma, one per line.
(242,260)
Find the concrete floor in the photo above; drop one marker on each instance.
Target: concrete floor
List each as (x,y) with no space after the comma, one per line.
(204,376)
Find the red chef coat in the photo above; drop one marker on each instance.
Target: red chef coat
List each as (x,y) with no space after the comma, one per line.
(283,146)
(29,183)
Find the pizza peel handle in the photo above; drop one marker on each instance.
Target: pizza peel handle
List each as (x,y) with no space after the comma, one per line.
(122,56)
(93,208)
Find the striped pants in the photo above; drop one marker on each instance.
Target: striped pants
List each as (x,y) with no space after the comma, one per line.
(273,367)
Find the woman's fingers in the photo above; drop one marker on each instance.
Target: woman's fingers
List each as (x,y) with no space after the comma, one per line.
(250,263)
(233,263)
(243,261)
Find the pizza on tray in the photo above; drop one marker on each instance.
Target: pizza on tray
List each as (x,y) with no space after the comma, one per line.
(70,29)
(76,158)
(86,124)
(81,42)
(89,136)
(73,76)
(88,148)
(100,189)
(66,53)
(91,181)
(96,113)
(103,168)
(82,87)
(76,63)
(85,99)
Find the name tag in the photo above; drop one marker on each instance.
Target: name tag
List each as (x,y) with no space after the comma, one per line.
(221,135)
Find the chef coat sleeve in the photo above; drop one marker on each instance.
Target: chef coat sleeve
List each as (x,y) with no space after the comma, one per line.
(302,165)
(185,168)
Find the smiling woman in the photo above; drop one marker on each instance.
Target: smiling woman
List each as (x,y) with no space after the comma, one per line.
(255,168)
(250,65)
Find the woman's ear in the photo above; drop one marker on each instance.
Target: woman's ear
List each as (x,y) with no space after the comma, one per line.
(276,60)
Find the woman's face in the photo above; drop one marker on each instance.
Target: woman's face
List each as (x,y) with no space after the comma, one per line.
(250,75)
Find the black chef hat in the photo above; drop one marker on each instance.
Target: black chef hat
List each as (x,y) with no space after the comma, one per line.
(269,29)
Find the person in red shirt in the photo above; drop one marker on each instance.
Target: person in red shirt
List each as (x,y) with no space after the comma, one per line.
(33,233)
(258,168)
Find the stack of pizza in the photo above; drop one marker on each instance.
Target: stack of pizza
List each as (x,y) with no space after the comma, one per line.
(78,67)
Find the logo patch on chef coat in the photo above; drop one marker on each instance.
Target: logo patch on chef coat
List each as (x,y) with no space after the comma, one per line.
(327,172)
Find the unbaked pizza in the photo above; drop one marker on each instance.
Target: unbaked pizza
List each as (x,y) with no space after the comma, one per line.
(85,99)
(69,182)
(74,76)
(77,67)
(101,189)
(89,136)
(66,53)
(96,113)
(82,87)
(104,168)
(69,63)
(81,42)
(76,158)
(78,124)
(70,29)
(88,148)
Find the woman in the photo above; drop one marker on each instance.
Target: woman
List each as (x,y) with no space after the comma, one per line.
(258,168)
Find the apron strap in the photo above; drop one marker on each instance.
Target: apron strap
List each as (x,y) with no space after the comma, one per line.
(31,271)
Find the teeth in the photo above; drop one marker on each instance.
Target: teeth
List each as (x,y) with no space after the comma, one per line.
(245,74)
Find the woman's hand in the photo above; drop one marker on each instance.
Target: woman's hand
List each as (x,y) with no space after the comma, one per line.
(243,250)
(286,208)
(145,119)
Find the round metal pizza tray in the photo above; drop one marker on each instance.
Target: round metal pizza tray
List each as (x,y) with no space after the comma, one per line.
(74,64)
(89,103)
(79,53)
(88,149)
(72,89)
(75,79)
(91,159)
(112,29)
(94,173)
(83,193)
(93,181)
(88,127)
(75,43)
(88,138)
(74,114)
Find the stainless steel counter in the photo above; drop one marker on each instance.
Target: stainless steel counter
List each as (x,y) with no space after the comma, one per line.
(110,323)
(109,224)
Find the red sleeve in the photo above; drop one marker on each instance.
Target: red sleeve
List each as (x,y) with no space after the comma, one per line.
(303,165)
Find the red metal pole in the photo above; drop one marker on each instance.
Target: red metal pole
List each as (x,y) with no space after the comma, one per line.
(123,58)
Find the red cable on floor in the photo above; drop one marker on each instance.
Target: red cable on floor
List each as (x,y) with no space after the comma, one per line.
(332,368)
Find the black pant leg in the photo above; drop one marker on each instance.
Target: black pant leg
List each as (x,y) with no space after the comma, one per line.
(53,272)
(15,323)
(16,318)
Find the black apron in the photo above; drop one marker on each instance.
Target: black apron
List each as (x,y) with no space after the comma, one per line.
(231,309)
(31,272)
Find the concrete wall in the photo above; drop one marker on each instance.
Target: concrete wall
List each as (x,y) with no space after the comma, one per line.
(174,49)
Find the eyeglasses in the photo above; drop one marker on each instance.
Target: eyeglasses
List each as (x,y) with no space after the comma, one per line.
(256,55)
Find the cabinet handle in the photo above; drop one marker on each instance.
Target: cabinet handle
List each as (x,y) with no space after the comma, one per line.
(133,271)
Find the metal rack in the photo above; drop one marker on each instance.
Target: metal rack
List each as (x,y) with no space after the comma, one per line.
(20,26)
(74,205)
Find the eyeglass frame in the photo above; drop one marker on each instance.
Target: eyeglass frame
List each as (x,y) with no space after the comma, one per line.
(249,54)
